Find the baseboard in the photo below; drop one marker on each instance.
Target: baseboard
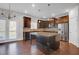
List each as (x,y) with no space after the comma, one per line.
(5,41)
(74,43)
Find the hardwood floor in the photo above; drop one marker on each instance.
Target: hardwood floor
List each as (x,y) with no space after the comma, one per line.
(26,48)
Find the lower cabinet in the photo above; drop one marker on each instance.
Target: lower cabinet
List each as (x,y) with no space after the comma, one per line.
(26,35)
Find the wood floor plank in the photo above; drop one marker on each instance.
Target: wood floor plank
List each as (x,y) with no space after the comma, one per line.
(26,48)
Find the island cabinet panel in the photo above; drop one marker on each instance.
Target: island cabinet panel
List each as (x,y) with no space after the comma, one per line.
(46,44)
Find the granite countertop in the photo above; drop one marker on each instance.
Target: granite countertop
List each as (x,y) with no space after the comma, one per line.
(54,30)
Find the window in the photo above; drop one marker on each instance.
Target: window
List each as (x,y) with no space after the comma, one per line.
(2,29)
(12,30)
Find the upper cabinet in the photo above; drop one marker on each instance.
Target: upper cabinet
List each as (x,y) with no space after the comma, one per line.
(63,19)
(42,24)
(27,22)
(52,22)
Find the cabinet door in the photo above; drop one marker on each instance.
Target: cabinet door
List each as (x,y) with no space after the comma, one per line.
(27,22)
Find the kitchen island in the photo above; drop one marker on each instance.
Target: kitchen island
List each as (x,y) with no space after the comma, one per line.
(47,39)
(27,31)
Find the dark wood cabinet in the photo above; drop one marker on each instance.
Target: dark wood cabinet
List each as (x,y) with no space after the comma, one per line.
(42,24)
(27,24)
(63,19)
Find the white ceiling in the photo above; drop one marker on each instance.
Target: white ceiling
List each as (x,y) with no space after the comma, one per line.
(45,10)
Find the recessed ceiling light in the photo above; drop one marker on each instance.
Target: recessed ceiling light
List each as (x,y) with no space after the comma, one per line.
(52,15)
(25,11)
(67,10)
(44,16)
(33,5)
(39,10)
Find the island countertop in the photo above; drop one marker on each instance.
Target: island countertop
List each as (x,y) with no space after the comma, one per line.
(54,30)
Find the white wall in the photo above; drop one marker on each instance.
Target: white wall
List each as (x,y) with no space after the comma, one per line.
(34,23)
(19,28)
(74,26)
